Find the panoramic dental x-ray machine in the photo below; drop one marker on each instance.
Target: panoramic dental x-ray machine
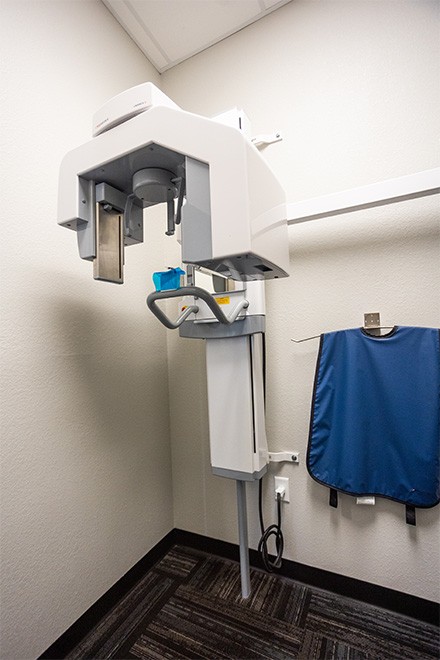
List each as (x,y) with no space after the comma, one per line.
(229,214)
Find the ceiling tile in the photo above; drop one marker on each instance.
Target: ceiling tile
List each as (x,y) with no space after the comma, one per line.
(138,31)
(170,31)
(184,28)
(272,4)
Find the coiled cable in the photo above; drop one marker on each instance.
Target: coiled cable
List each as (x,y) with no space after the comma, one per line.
(273,530)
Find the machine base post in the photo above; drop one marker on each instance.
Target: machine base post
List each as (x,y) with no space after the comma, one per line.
(243,540)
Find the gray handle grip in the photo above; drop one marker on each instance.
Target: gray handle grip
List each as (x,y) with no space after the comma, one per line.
(197,292)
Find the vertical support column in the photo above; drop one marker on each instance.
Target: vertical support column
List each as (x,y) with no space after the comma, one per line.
(243,539)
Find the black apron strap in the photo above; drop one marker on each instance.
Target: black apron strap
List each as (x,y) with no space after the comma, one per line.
(333,498)
(410,512)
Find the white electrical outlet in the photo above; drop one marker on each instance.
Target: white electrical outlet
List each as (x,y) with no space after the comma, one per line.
(282,482)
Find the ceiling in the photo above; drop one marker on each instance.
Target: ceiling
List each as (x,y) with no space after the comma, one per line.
(170,31)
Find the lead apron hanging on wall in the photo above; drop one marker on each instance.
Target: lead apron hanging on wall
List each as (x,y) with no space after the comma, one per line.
(375,420)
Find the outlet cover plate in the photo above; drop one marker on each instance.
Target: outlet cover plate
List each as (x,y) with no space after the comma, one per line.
(284,482)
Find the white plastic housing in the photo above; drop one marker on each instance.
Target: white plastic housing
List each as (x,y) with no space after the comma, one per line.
(128,104)
(246,203)
(237,118)
(237,432)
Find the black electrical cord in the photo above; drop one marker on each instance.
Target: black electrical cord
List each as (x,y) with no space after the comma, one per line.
(275,529)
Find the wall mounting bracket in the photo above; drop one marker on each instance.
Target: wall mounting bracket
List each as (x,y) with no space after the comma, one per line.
(284,456)
(267,138)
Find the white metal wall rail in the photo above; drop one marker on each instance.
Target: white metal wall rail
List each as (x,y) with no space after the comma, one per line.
(389,191)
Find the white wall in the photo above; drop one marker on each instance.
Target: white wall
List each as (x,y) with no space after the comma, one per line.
(86,480)
(353,86)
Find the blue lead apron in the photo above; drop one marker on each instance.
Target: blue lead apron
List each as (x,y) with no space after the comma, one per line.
(375,420)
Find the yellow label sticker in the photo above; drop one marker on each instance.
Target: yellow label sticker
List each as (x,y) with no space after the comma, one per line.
(223,301)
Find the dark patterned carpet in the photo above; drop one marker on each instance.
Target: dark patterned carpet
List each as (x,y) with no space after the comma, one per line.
(189,606)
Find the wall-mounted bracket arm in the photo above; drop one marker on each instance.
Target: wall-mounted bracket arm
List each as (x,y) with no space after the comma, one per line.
(268,138)
(281,456)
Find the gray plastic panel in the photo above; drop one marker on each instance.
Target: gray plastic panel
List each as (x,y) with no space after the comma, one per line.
(119,172)
(245,267)
(240,476)
(86,231)
(196,214)
(249,326)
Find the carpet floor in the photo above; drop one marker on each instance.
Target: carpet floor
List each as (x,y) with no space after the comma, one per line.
(189,606)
